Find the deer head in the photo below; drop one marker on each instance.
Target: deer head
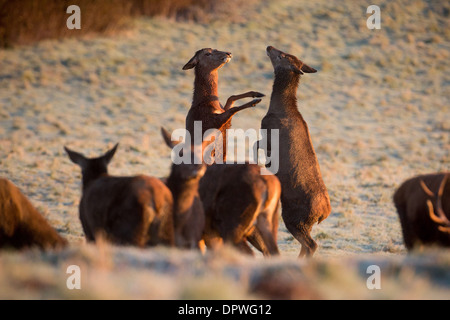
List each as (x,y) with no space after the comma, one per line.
(186,171)
(91,168)
(208,59)
(281,60)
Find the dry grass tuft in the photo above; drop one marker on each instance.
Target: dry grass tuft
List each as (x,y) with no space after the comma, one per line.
(28,21)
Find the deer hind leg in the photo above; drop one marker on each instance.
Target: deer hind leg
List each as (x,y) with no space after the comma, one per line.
(301,232)
(244,247)
(267,225)
(269,240)
(309,246)
(257,241)
(263,239)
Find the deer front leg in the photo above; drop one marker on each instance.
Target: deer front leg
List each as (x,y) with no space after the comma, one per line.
(233,98)
(222,118)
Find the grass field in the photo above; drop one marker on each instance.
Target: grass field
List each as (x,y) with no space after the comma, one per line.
(378,111)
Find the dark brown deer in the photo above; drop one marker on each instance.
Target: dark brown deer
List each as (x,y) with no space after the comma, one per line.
(189,216)
(424,223)
(134,210)
(438,214)
(240,204)
(21,225)
(304,196)
(205,104)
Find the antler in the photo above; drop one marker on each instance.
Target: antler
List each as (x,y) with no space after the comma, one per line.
(426,189)
(440,218)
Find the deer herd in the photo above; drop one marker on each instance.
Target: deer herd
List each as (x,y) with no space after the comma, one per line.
(200,206)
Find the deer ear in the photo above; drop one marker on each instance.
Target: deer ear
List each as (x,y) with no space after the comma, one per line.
(109,154)
(308,69)
(191,63)
(168,138)
(296,70)
(76,157)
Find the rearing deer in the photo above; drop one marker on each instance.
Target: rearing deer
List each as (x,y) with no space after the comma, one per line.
(304,196)
(205,104)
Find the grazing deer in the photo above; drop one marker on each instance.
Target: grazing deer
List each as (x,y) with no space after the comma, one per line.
(21,225)
(135,210)
(422,221)
(239,204)
(205,104)
(304,196)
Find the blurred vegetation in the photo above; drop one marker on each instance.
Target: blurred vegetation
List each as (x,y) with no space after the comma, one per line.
(27,21)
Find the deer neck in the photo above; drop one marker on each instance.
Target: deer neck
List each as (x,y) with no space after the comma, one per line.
(284,92)
(205,87)
(183,194)
(88,178)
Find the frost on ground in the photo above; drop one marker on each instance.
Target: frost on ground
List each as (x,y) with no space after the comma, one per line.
(378,109)
(130,273)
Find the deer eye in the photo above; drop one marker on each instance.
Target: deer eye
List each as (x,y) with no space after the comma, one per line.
(208,54)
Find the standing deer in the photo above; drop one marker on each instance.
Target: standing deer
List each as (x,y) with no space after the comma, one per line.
(239,204)
(424,214)
(189,216)
(135,210)
(304,196)
(205,104)
(21,225)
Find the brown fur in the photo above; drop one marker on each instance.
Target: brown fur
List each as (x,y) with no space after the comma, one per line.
(183,182)
(304,196)
(189,217)
(21,225)
(410,199)
(205,104)
(239,204)
(133,210)
(264,238)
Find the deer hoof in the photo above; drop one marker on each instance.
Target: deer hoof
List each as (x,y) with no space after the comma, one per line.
(255,102)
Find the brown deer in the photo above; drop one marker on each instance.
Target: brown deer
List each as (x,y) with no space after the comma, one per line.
(134,210)
(21,225)
(439,217)
(189,216)
(239,204)
(421,221)
(304,196)
(205,104)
